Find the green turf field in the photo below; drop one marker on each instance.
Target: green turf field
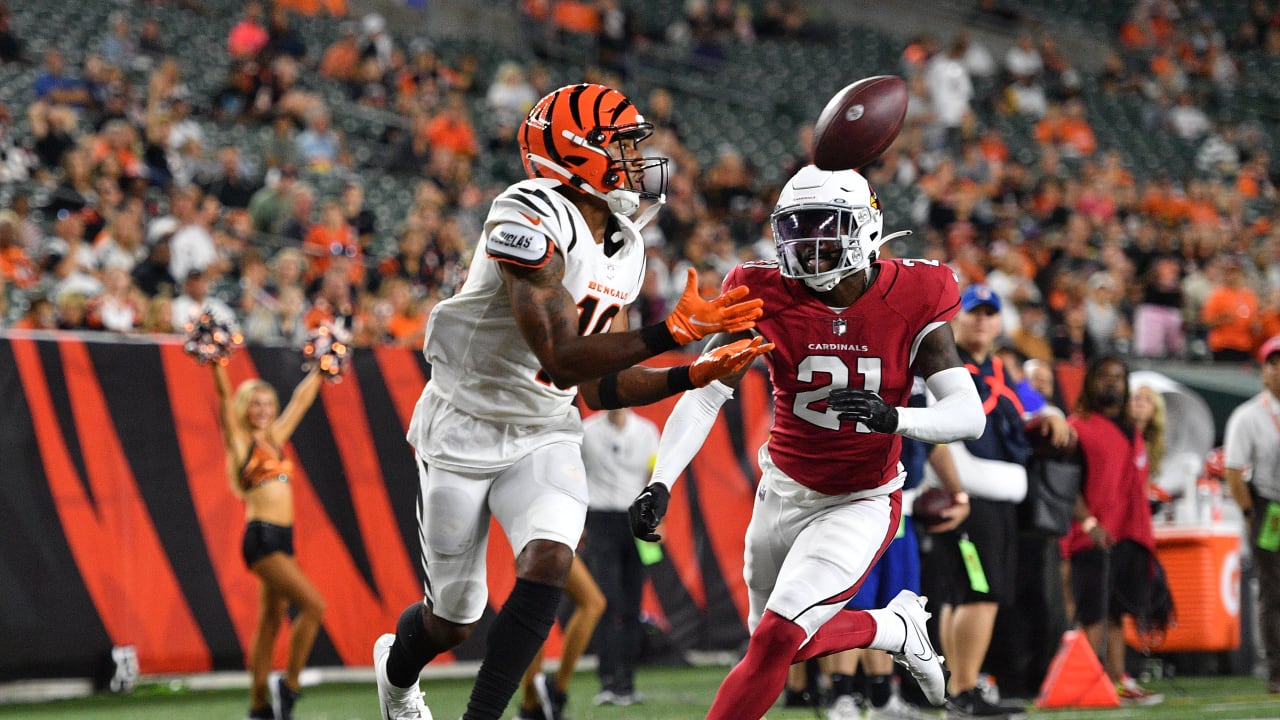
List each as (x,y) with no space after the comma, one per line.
(671,694)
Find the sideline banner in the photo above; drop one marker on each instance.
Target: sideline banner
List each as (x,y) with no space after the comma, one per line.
(121,530)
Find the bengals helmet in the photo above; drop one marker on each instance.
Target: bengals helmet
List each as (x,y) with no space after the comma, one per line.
(587,136)
(827,225)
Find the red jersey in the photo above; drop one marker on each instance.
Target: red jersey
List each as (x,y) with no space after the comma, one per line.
(870,344)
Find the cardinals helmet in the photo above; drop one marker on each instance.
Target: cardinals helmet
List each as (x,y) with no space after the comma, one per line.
(587,136)
(827,225)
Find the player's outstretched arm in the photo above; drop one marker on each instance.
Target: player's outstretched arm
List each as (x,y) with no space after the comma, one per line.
(956,415)
(548,319)
(642,385)
(687,428)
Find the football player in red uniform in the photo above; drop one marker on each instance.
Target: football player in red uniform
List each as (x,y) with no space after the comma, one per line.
(850,332)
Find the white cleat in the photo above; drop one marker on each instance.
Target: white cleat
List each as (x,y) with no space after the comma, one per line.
(844,708)
(898,709)
(918,655)
(394,702)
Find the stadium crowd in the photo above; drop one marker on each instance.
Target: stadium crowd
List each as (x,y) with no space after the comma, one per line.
(140,217)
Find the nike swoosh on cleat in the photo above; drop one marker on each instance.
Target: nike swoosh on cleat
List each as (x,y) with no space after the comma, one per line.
(531,218)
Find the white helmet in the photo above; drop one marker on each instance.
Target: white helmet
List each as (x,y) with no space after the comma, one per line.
(826,218)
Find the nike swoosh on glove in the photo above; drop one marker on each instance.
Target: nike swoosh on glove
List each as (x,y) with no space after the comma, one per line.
(864,406)
(647,510)
(726,360)
(695,318)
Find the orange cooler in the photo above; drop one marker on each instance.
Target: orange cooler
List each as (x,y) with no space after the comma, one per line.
(1203,567)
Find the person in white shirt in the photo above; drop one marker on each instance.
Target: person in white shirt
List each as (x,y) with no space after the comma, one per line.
(618,449)
(1251,449)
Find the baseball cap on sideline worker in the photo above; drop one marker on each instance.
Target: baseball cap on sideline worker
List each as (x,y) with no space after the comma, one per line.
(1269,348)
(979,294)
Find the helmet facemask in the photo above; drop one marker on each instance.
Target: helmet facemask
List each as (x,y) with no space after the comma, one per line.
(823,244)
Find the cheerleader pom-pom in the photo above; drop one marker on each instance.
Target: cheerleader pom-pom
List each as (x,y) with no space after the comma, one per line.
(327,349)
(211,341)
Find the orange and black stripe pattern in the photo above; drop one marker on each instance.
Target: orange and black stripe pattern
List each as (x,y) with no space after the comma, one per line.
(587,112)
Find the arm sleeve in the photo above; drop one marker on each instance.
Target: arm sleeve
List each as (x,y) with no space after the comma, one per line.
(957,414)
(686,429)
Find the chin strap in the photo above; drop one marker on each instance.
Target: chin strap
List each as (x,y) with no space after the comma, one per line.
(621,201)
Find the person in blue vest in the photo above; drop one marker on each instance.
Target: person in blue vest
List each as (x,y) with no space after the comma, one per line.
(977,562)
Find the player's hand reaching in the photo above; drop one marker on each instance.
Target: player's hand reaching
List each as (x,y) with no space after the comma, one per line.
(647,510)
(726,360)
(695,318)
(864,406)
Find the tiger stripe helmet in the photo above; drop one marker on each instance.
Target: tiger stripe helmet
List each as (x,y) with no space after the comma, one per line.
(587,136)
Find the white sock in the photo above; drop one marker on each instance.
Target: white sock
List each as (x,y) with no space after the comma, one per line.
(891,631)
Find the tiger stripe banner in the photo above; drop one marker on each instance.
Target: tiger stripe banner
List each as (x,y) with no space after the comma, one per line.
(121,528)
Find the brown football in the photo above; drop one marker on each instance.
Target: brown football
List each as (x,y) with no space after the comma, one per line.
(859,123)
(929,504)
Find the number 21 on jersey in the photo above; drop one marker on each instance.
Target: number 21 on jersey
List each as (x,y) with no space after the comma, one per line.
(838,373)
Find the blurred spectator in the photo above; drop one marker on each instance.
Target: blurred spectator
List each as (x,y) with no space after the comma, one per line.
(509,99)
(451,129)
(1231,313)
(298,222)
(232,184)
(279,322)
(320,147)
(151,40)
(118,47)
(120,243)
(54,85)
(55,129)
(192,247)
(617,34)
(282,39)
(341,58)
(120,307)
(40,315)
(1186,120)
(331,238)
(1031,335)
(11,46)
(1066,127)
(374,43)
(152,274)
(17,162)
(16,267)
(1023,58)
(361,219)
(71,308)
(195,299)
(248,38)
(68,259)
(950,92)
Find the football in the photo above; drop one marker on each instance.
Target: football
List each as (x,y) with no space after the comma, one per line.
(929,504)
(859,123)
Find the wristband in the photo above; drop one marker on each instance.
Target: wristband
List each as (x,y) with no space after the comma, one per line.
(961,498)
(608,393)
(657,338)
(678,379)
(1088,524)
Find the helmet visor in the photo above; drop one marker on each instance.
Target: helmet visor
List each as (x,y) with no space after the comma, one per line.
(813,241)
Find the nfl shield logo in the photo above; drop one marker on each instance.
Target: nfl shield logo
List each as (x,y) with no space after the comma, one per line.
(839,326)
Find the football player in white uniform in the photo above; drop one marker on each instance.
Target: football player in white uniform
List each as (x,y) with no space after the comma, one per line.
(496,431)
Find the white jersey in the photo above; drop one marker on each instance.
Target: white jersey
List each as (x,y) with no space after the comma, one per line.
(480,362)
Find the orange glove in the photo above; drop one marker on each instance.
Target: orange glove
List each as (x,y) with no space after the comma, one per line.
(695,318)
(726,360)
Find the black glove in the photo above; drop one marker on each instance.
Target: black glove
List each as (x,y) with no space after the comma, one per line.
(646,511)
(864,406)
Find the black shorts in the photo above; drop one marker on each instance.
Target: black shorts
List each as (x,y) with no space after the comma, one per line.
(992,527)
(1127,593)
(263,538)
